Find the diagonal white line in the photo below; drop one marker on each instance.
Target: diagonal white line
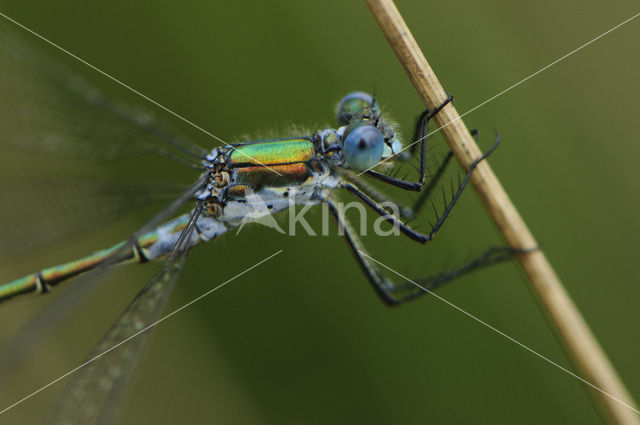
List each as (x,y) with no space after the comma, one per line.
(544,68)
(114,79)
(531,350)
(91,360)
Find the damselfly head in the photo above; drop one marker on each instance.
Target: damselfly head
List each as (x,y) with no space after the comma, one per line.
(380,142)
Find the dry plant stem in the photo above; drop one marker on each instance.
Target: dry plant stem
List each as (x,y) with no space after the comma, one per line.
(573,331)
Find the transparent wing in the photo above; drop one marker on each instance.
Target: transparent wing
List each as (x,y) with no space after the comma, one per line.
(37,213)
(66,148)
(36,331)
(48,111)
(96,390)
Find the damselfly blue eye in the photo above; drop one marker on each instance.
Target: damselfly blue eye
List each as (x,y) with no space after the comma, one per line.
(362,147)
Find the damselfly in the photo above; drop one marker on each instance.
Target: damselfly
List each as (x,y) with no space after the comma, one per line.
(264,177)
(250,180)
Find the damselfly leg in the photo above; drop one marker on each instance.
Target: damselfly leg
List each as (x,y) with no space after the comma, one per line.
(426,192)
(421,141)
(393,293)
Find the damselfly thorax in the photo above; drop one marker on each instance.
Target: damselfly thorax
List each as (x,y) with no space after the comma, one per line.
(270,175)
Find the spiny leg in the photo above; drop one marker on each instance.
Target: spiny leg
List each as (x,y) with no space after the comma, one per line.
(417,236)
(378,283)
(395,221)
(423,123)
(420,129)
(380,197)
(375,193)
(426,193)
(421,286)
(392,293)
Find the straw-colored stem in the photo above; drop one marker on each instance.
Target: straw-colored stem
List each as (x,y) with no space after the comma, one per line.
(580,343)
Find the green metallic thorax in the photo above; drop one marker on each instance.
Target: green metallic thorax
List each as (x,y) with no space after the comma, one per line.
(273,152)
(289,158)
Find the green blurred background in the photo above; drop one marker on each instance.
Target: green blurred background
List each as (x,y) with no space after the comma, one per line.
(303,339)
